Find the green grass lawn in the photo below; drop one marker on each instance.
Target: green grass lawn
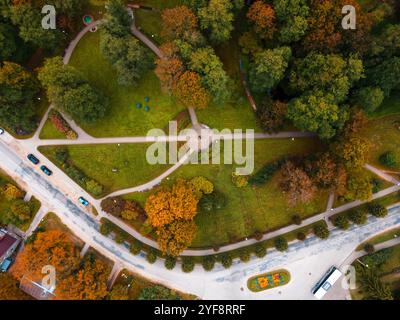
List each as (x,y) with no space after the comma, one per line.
(50,132)
(136,283)
(40,109)
(390,106)
(384,134)
(382,237)
(123,118)
(248,210)
(97,162)
(386,271)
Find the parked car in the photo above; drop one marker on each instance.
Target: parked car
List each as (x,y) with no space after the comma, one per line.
(83,201)
(1,131)
(33,159)
(46,170)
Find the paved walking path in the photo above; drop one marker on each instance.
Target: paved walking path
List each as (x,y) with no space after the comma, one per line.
(35,137)
(116,270)
(135,31)
(36,221)
(84,138)
(69,51)
(84,250)
(300,259)
(382,174)
(383,245)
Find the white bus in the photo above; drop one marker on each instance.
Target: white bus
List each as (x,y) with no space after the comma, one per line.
(327,281)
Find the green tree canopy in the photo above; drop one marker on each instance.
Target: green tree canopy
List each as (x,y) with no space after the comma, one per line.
(125,53)
(292,17)
(71,92)
(8,45)
(214,78)
(29,21)
(217,19)
(317,113)
(328,73)
(18,90)
(268,68)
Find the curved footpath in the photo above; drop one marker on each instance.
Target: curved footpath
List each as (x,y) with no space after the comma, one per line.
(32,144)
(306,261)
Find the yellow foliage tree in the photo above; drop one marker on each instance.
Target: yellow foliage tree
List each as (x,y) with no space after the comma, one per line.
(174,238)
(168,205)
(53,248)
(89,283)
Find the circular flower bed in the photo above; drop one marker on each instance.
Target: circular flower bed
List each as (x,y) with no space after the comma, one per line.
(268,280)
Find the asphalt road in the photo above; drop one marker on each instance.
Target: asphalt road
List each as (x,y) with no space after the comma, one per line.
(306,261)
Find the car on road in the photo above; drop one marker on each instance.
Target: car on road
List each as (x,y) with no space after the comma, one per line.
(83,201)
(46,170)
(33,159)
(1,131)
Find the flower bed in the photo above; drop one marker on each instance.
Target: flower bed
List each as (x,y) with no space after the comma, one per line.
(61,125)
(268,280)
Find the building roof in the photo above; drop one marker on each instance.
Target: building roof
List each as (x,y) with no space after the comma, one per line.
(6,242)
(35,290)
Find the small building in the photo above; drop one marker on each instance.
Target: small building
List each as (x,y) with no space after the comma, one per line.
(36,290)
(8,243)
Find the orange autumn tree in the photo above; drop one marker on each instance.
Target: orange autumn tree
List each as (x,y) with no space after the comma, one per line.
(178,22)
(168,205)
(324,26)
(263,17)
(169,69)
(9,288)
(172,212)
(88,283)
(52,247)
(190,91)
(176,237)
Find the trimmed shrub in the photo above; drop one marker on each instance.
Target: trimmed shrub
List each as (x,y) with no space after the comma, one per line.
(321,231)
(170,262)
(105,229)
(258,235)
(341,221)
(388,159)
(136,247)
(281,244)
(187,264)
(301,236)
(119,238)
(265,173)
(61,125)
(358,216)
(296,219)
(151,256)
(377,210)
(369,248)
(245,254)
(239,181)
(61,155)
(213,201)
(260,250)
(208,262)
(226,260)
(94,187)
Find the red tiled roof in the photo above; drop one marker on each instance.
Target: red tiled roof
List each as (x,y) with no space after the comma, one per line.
(6,242)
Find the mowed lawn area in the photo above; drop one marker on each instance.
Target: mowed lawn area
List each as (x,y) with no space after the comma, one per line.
(248,210)
(384,134)
(98,162)
(49,131)
(123,118)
